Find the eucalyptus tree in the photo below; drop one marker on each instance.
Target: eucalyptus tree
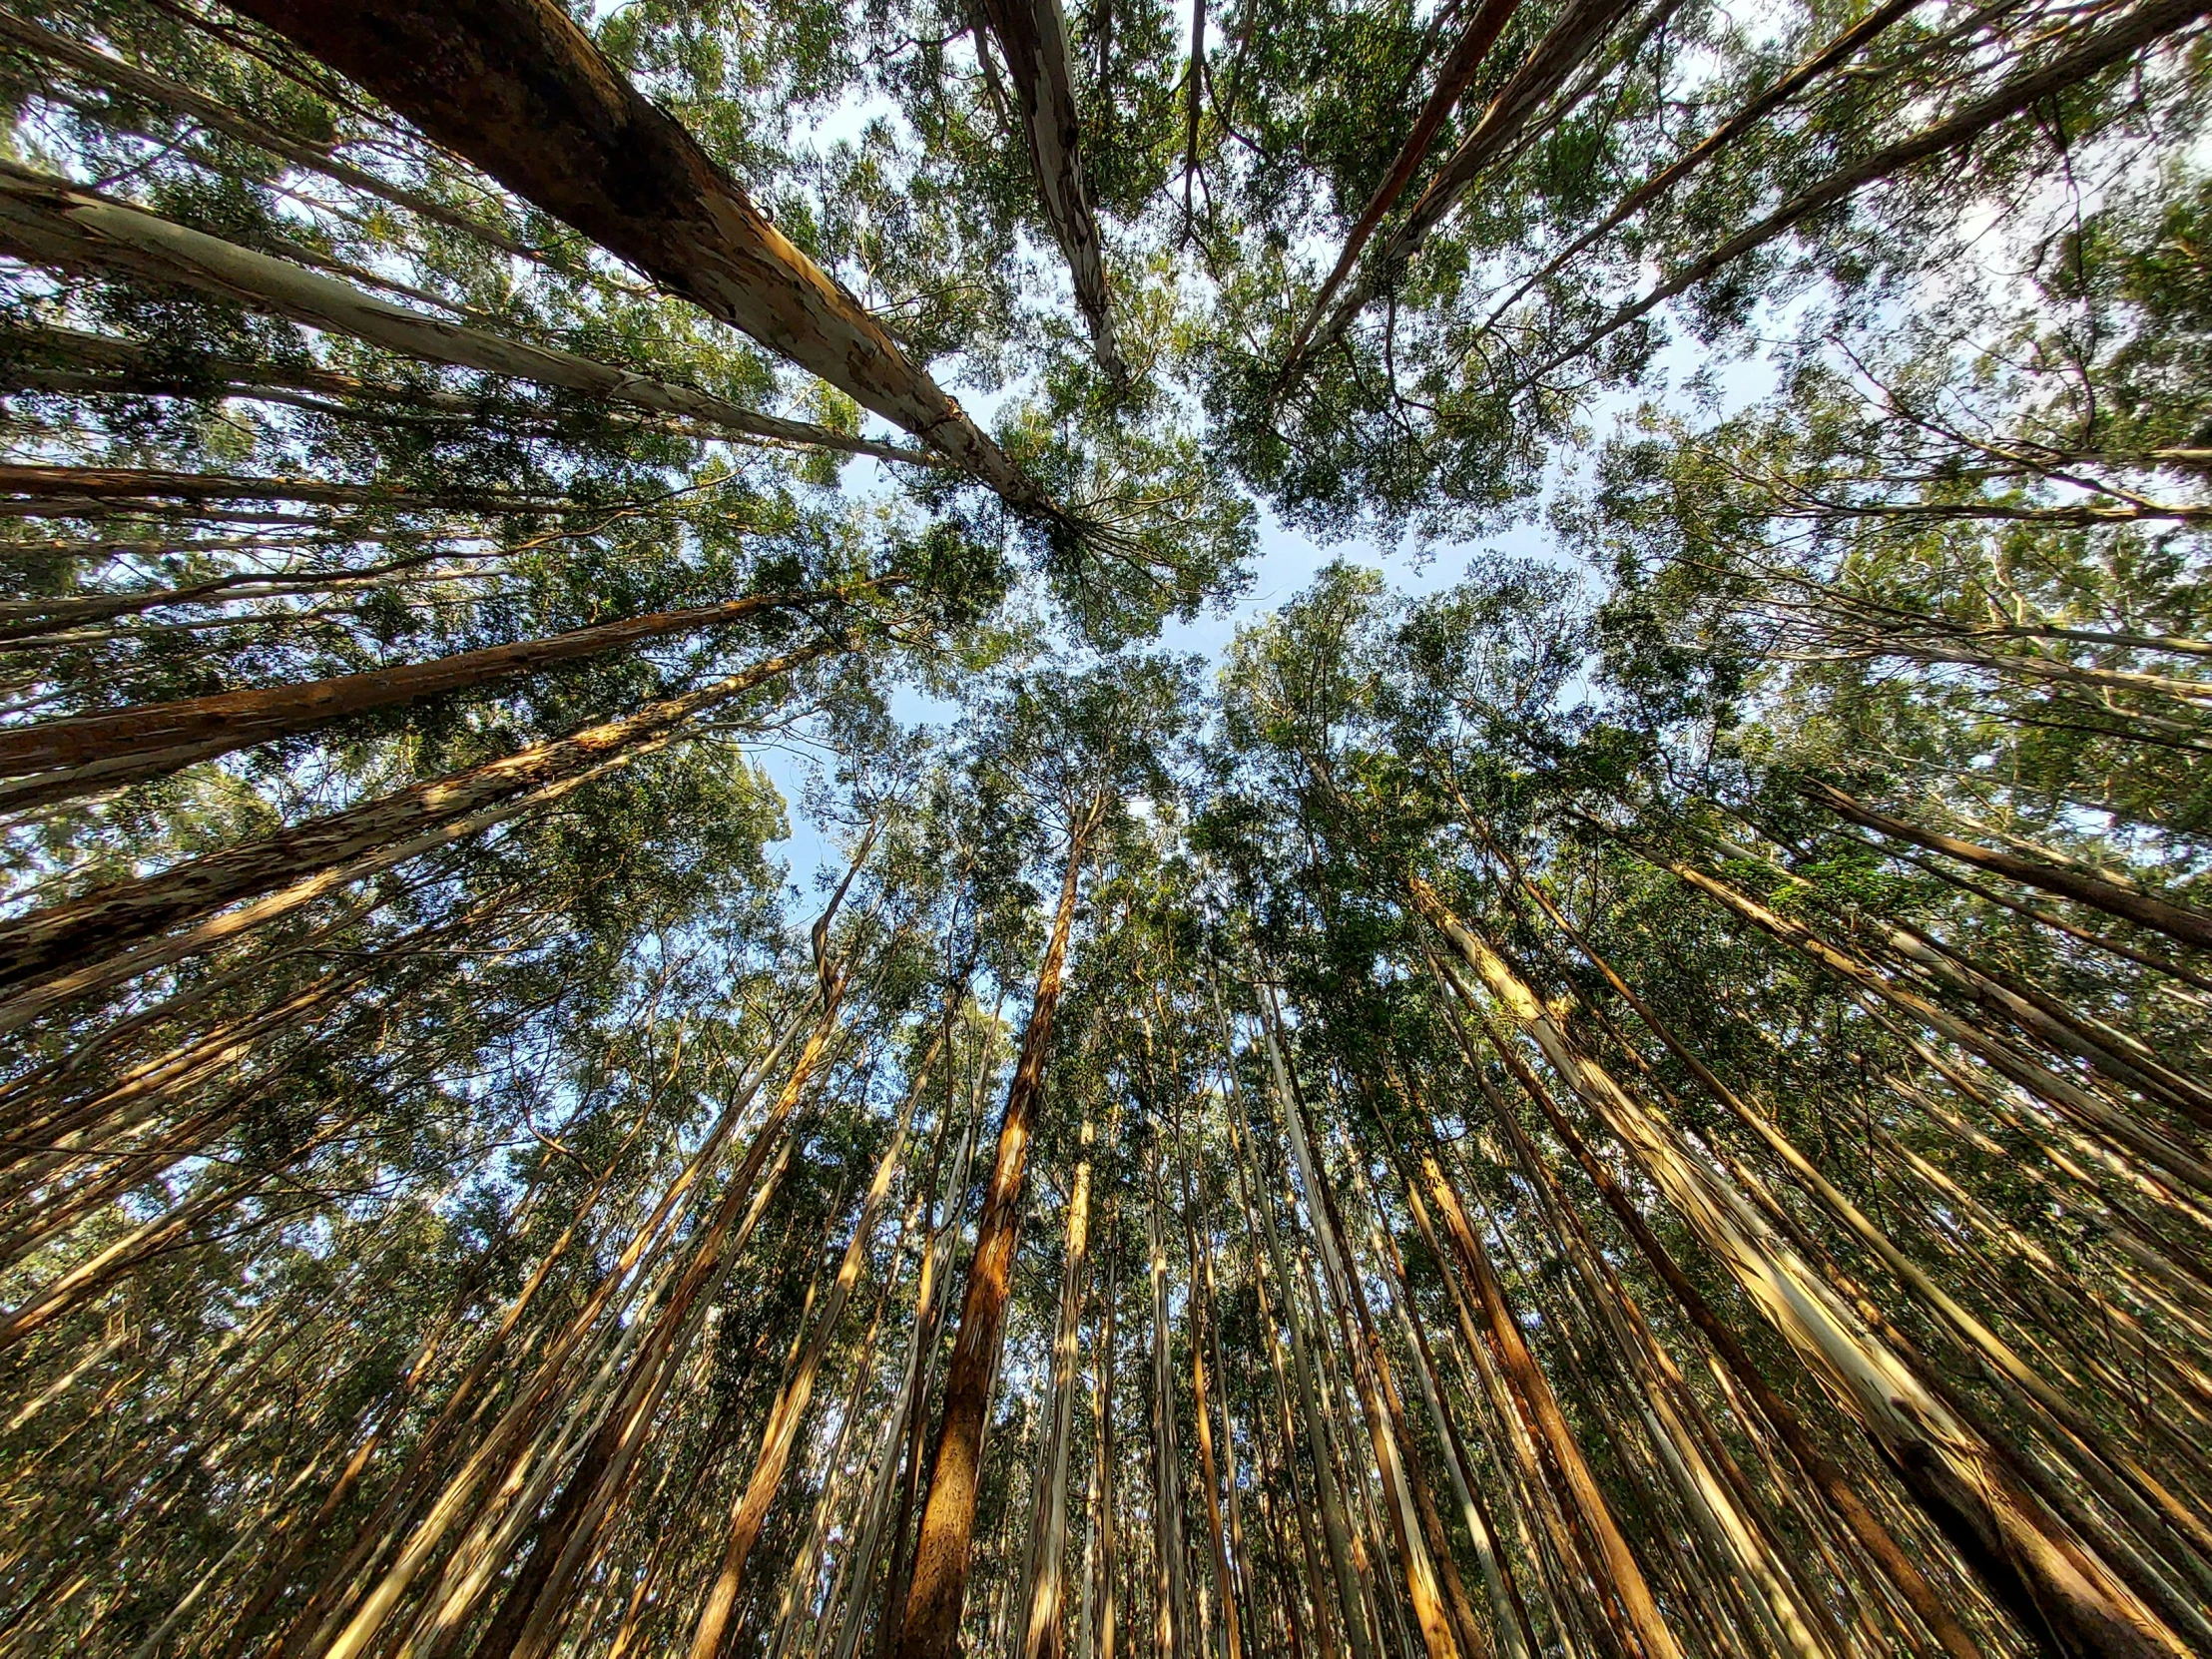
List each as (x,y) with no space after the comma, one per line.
(1069,753)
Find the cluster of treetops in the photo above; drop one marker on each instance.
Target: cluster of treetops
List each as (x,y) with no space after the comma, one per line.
(1649,1101)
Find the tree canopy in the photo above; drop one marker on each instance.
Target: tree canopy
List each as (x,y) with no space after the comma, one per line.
(1621,1068)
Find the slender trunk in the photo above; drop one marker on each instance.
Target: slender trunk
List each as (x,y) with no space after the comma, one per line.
(1329,1493)
(50,222)
(1950,1468)
(2099,890)
(1384,1425)
(422,1539)
(85,944)
(1826,60)
(148,736)
(66,489)
(2073,1100)
(1041,1633)
(780,1431)
(519,1630)
(1580,31)
(1170,1590)
(517,88)
(1034,36)
(1461,66)
(929,1628)
(2130,33)
(1200,1329)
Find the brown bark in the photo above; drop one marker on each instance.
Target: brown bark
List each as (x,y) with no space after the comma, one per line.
(50,222)
(2099,891)
(1580,31)
(516,88)
(780,1433)
(1827,1478)
(1412,1533)
(37,950)
(1961,1479)
(1224,1588)
(226,721)
(550,1566)
(1541,1408)
(1034,36)
(930,1625)
(1828,58)
(1467,56)
(2127,35)
(63,487)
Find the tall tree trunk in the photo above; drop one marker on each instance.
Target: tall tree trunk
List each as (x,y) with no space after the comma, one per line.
(1328,1491)
(515,87)
(1200,1329)
(2129,34)
(1461,66)
(1541,1409)
(780,1431)
(1385,1426)
(1963,1480)
(2099,890)
(1034,36)
(930,1626)
(152,737)
(50,222)
(1170,1588)
(62,491)
(1041,1630)
(1578,32)
(84,944)
(518,1630)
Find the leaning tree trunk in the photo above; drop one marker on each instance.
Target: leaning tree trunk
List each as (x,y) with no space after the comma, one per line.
(1578,32)
(50,222)
(2129,33)
(930,1625)
(515,87)
(1041,1634)
(1963,1483)
(520,1629)
(2100,891)
(108,750)
(1467,55)
(85,944)
(1033,35)
(1384,1429)
(780,1433)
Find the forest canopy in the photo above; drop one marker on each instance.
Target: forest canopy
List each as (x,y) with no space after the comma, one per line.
(1618,1068)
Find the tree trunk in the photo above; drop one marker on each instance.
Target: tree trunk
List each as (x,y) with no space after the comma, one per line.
(1467,56)
(1033,35)
(1329,1493)
(148,735)
(1041,1630)
(515,87)
(1385,1426)
(519,1630)
(1581,28)
(1960,1477)
(2113,896)
(65,487)
(95,933)
(780,1431)
(2131,32)
(930,1626)
(50,222)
